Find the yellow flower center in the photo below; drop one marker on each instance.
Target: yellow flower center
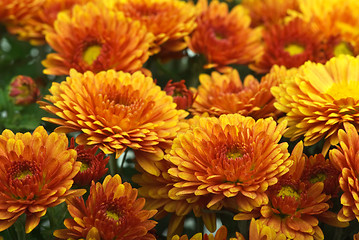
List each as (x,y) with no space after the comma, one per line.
(342,48)
(112,215)
(318,178)
(234,155)
(84,167)
(288,191)
(23,174)
(344,89)
(91,54)
(294,49)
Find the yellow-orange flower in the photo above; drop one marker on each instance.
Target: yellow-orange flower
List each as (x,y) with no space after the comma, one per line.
(221,234)
(169,20)
(289,45)
(116,110)
(319,99)
(36,172)
(112,211)
(225,37)
(225,93)
(232,158)
(13,11)
(33,28)
(265,12)
(345,158)
(260,231)
(96,38)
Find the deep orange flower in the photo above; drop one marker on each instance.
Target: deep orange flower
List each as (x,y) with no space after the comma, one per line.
(225,37)
(13,11)
(265,12)
(104,40)
(33,29)
(112,211)
(232,158)
(221,234)
(182,96)
(289,45)
(23,90)
(169,20)
(225,93)
(319,99)
(93,165)
(116,110)
(260,231)
(36,172)
(345,158)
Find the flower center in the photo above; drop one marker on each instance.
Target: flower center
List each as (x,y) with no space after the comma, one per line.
(91,54)
(288,191)
(234,154)
(344,89)
(320,177)
(84,167)
(113,215)
(342,48)
(23,174)
(294,49)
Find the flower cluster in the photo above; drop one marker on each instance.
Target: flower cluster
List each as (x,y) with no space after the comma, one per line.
(200,120)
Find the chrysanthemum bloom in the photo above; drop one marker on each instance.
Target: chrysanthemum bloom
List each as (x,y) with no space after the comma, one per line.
(319,169)
(116,110)
(104,40)
(333,18)
(169,20)
(265,12)
(182,96)
(23,90)
(112,211)
(12,11)
(225,37)
(36,172)
(225,93)
(260,231)
(33,29)
(288,45)
(221,234)
(346,160)
(319,99)
(231,157)
(93,165)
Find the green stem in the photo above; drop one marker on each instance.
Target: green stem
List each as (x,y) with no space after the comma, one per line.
(123,159)
(113,165)
(199,225)
(19,226)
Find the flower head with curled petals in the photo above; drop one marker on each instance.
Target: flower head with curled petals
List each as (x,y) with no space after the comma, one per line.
(116,110)
(112,211)
(225,94)
(169,20)
(105,39)
(13,11)
(345,158)
(230,158)
(319,99)
(36,172)
(225,37)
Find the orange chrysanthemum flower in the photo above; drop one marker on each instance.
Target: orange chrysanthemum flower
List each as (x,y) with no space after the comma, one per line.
(112,211)
(289,45)
(33,29)
(104,40)
(319,99)
(221,234)
(13,11)
(259,231)
(36,172)
(225,37)
(345,158)
(116,110)
(93,165)
(169,20)
(182,96)
(232,158)
(265,12)
(225,93)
